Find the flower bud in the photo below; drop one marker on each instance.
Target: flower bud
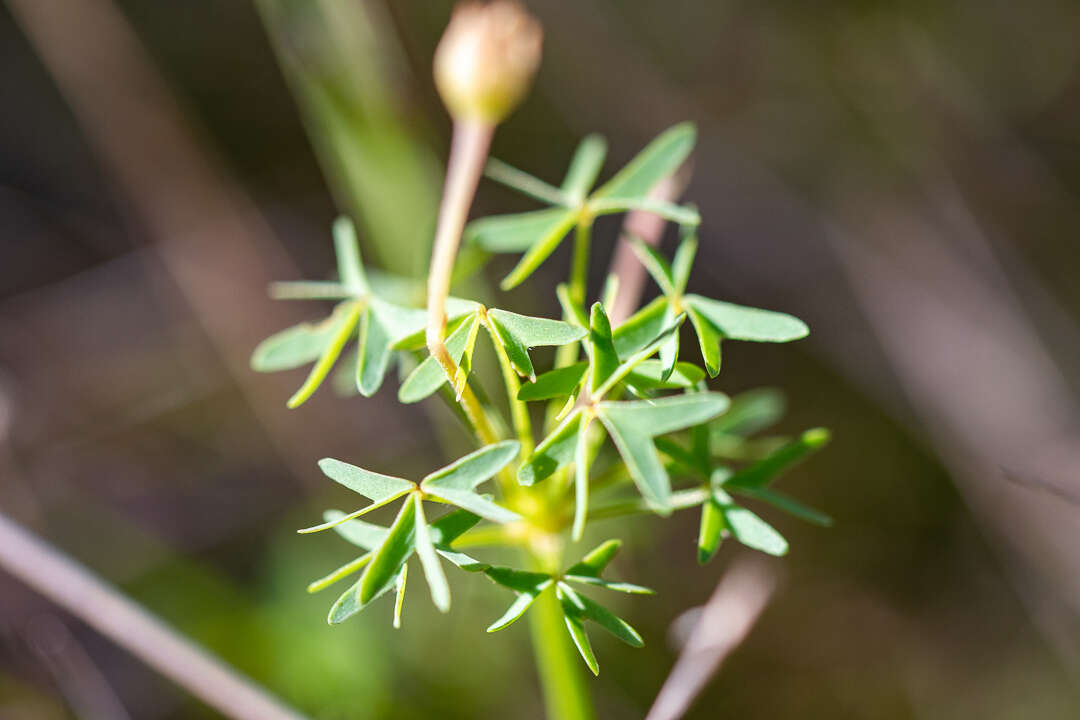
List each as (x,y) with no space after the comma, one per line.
(486,59)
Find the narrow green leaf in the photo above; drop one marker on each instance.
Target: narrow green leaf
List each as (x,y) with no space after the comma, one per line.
(610,291)
(539,252)
(463,561)
(519,232)
(655,264)
(748,528)
(639,454)
(374,356)
(582,607)
(641,328)
(521,603)
(348,604)
(601,348)
(553,384)
(649,376)
(581,640)
(376,487)
(683,261)
(708,340)
(593,564)
(350,267)
(361,534)
(669,349)
(347,315)
(786,503)
(522,332)
(407,325)
(476,504)
(518,580)
(429,560)
(680,455)
(662,208)
(342,572)
(572,311)
(429,375)
(711,532)
(660,158)
(667,414)
(625,587)
(296,346)
(391,555)
(581,480)
(473,469)
(461,375)
(739,322)
(524,182)
(765,471)
(554,452)
(399,591)
(584,167)
(451,526)
(309,290)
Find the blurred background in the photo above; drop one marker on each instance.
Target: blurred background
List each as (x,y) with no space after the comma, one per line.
(902,175)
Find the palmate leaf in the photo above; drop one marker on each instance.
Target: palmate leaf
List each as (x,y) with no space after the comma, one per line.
(577,609)
(538,234)
(456,482)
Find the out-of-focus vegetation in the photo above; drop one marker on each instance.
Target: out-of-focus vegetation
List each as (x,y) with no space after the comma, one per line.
(902,175)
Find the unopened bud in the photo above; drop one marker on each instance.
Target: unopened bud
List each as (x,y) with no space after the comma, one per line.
(486,59)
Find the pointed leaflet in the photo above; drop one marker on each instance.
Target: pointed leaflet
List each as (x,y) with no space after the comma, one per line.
(581,479)
(572,310)
(309,290)
(528,585)
(601,348)
(342,572)
(374,355)
(660,158)
(649,376)
(518,333)
(429,560)
(641,328)
(519,232)
(447,529)
(524,182)
(455,482)
(683,261)
(380,489)
(399,594)
(344,321)
(429,375)
(593,564)
(554,452)
(391,555)
(349,603)
(786,503)
(666,210)
(540,251)
(669,350)
(585,166)
(739,322)
(555,383)
(350,267)
(361,534)
(655,264)
(748,528)
(632,425)
(581,607)
(708,340)
(299,345)
(461,375)
(765,471)
(408,324)
(711,531)
(581,640)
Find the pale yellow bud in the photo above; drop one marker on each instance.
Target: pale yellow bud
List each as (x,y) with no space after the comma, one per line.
(486,59)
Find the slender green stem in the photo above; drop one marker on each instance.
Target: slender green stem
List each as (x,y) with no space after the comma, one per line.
(519,413)
(566,695)
(579,270)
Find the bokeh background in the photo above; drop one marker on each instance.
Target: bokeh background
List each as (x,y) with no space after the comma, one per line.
(903,175)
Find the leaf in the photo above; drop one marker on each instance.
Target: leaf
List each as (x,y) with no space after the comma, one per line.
(601,348)
(518,580)
(660,158)
(669,349)
(374,356)
(766,470)
(585,166)
(749,529)
(520,231)
(683,261)
(408,325)
(540,250)
(581,480)
(711,531)
(655,264)
(524,182)
(581,640)
(296,346)
(350,267)
(572,311)
(639,455)
(627,366)
(348,604)
(518,333)
(750,412)
(708,340)
(739,322)
(359,533)
(399,591)
(517,608)
(593,564)
(391,555)
(342,572)
(554,452)
(555,383)
(345,318)
(625,587)
(461,375)
(788,504)
(309,290)
(429,375)
(641,328)
(582,607)
(451,526)
(660,208)
(376,487)
(429,560)
(648,376)
(455,482)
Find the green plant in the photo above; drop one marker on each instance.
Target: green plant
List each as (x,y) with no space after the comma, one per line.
(629,384)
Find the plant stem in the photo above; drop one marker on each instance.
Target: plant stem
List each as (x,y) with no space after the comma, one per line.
(566,696)
(519,413)
(468,151)
(579,270)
